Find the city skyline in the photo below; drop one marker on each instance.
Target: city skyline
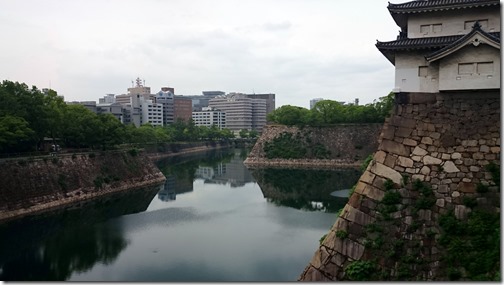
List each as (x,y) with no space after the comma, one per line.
(297,49)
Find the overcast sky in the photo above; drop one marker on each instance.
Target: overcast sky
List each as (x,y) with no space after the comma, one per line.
(297,49)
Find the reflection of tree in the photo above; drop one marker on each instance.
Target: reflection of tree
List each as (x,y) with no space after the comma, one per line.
(79,248)
(51,246)
(306,189)
(71,250)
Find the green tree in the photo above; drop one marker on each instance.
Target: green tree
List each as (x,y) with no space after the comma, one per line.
(253,134)
(243,133)
(227,133)
(290,115)
(111,131)
(13,131)
(81,127)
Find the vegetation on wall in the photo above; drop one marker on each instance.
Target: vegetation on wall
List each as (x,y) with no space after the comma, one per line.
(295,146)
(472,246)
(327,112)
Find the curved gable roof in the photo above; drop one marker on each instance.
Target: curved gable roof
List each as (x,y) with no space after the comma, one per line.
(476,37)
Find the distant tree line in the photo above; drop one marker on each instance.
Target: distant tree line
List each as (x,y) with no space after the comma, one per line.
(28,115)
(327,112)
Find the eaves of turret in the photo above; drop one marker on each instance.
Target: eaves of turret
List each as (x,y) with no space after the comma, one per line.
(400,11)
(388,49)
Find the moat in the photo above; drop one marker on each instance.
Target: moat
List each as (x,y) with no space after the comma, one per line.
(212,220)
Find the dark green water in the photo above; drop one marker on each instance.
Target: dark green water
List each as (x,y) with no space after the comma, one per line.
(213,220)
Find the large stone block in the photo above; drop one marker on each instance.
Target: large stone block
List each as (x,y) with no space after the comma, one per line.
(418,151)
(466,187)
(410,142)
(404,161)
(400,121)
(429,160)
(403,132)
(367,177)
(353,249)
(380,156)
(386,172)
(450,167)
(395,148)
(357,216)
(374,193)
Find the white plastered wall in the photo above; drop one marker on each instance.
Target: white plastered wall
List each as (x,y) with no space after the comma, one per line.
(453,21)
(407,77)
(451,79)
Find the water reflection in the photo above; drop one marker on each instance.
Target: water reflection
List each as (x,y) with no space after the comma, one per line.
(306,189)
(214,167)
(53,245)
(210,222)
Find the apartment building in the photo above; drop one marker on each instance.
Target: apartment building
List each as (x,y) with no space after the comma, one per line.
(152,112)
(166,98)
(241,111)
(209,116)
(182,108)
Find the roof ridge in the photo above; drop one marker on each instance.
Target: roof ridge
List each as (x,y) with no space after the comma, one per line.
(419,5)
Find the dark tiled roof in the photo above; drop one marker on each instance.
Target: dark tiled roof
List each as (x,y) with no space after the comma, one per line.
(435,5)
(425,43)
(431,44)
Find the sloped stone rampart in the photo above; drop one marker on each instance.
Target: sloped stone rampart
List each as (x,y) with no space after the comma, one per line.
(34,185)
(349,145)
(444,140)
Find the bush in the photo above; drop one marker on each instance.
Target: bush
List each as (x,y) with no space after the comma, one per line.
(391,198)
(321,240)
(360,270)
(341,234)
(133,152)
(366,162)
(62,182)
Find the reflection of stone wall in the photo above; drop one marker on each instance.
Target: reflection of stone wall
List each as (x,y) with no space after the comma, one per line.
(35,185)
(303,185)
(349,144)
(444,141)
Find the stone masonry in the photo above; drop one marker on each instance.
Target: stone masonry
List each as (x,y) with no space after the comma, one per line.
(349,145)
(444,140)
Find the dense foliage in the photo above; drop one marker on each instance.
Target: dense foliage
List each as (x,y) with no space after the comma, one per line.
(295,146)
(328,112)
(27,116)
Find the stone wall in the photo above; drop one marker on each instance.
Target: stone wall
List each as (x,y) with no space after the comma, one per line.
(349,145)
(34,185)
(444,141)
(160,151)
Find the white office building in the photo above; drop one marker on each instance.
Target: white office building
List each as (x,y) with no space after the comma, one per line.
(208,117)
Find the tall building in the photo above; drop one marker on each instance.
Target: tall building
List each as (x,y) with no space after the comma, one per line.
(123,99)
(208,117)
(152,112)
(241,111)
(270,100)
(107,99)
(314,101)
(182,108)
(259,112)
(166,98)
(140,89)
(445,46)
(111,108)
